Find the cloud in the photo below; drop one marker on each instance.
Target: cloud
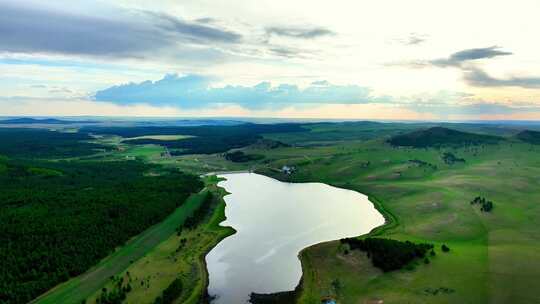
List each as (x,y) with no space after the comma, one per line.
(473,110)
(456,59)
(26,29)
(284,52)
(195,91)
(192,31)
(296,32)
(479,78)
(320,83)
(411,39)
(448,104)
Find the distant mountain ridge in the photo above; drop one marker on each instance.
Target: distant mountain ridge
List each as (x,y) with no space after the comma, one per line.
(50,121)
(440,136)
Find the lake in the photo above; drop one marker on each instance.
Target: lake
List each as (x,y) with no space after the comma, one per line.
(274,222)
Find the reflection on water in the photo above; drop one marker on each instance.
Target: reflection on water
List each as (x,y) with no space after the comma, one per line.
(274,221)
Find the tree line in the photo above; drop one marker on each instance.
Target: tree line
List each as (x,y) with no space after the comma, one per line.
(42,143)
(241,157)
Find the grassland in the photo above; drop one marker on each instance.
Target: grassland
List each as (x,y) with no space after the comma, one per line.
(494,256)
(160,137)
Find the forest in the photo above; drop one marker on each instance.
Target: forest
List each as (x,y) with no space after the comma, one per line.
(205,140)
(58,219)
(387,254)
(241,157)
(42,143)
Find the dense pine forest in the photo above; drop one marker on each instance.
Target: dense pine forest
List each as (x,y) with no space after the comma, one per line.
(58,219)
(42,143)
(205,140)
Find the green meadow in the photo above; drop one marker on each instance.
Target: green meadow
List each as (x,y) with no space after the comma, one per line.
(493,256)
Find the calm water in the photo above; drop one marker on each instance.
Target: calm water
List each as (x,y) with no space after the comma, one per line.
(274,221)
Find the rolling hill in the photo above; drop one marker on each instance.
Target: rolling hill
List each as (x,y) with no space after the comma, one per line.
(532,137)
(439,136)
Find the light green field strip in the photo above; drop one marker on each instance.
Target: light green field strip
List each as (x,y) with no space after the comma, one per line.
(160,137)
(81,287)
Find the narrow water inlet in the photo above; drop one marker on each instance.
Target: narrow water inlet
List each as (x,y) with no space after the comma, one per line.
(274,221)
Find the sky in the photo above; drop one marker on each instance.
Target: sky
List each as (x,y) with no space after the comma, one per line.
(399,60)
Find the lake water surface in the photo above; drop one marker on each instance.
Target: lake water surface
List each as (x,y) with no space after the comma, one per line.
(274,221)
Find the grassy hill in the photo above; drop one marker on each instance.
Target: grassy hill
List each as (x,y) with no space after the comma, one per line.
(528,136)
(439,136)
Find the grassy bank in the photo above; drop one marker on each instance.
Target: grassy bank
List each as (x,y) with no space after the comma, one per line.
(82,287)
(179,256)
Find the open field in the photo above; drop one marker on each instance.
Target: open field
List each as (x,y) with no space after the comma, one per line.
(160,137)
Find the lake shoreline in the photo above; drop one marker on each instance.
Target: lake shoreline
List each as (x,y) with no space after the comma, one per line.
(390,222)
(374,205)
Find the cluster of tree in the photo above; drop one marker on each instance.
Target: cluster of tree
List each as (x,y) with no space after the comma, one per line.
(117,294)
(440,137)
(53,227)
(200,213)
(42,143)
(270,144)
(171,293)
(485,205)
(388,254)
(435,291)
(422,163)
(205,140)
(449,158)
(241,157)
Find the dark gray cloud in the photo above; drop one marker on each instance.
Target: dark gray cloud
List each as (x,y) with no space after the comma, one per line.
(479,78)
(296,32)
(192,31)
(25,29)
(194,91)
(456,59)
